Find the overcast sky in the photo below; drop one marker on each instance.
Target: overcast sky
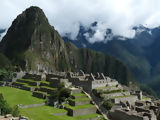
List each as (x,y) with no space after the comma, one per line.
(67,15)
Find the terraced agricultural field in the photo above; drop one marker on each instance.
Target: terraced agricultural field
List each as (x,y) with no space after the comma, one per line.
(16,96)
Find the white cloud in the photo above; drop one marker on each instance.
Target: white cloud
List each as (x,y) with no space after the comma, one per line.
(67,15)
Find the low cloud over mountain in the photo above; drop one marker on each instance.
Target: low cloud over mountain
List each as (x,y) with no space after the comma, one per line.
(68,15)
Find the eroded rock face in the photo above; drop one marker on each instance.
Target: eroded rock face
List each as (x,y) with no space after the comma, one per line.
(31,38)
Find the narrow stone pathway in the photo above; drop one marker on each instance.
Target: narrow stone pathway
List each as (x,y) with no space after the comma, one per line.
(104,115)
(33,105)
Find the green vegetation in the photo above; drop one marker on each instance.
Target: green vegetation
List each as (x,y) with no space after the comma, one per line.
(79,94)
(47,112)
(15,96)
(5,74)
(43,113)
(79,106)
(4,106)
(60,95)
(15,111)
(64,57)
(145,98)
(146,89)
(81,99)
(101,88)
(108,104)
(86,116)
(4,62)
(114,91)
(122,96)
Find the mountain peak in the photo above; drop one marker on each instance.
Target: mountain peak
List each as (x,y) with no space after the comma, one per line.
(33,15)
(30,33)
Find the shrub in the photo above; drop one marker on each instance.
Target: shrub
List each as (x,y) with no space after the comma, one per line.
(15,111)
(60,94)
(146,89)
(108,104)
(4,107)
(64,93)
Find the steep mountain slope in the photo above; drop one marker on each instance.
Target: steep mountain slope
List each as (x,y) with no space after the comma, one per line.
(140,54)
(33,44)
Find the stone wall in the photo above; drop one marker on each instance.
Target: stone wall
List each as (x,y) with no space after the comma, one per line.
(121,115)
(98,83)
(27,88)
(75,103)
(87,85)
(39,95)
(32,83)
(77,112)
(111,88)
(18,75)
(110,95)
(32,76)
(112,83)
(130,99)
(48,90)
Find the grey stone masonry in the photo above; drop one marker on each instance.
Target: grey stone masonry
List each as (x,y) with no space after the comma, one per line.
(75,103)
(116,94)
(130,99)
(76,90)
(78,112)
(122,115)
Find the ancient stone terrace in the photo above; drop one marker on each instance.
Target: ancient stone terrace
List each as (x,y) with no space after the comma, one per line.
(143,110)
(89,81)
(99,87)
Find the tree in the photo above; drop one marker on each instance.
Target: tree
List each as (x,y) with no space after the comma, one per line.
(108,104)
(60,94)
(4,107)
(63,94)
(15,111)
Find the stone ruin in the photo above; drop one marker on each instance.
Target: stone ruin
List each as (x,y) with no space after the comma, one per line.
(142,110)
(128,104)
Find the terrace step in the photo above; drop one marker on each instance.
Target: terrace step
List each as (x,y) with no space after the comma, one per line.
(48,90)
(76,90)
(80,101)
(29,81)
(116,94)
(88,117)
(39,94)
(81,110)
(78,96)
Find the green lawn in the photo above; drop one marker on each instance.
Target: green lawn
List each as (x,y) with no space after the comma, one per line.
(80,94)
(16,96)
(81,99)
(79,106)
(47,113)
(44,113)
(144,98)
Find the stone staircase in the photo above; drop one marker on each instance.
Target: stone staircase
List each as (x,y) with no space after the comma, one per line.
(33,83)
(80,106)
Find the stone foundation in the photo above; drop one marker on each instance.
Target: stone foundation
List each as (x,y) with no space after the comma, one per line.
(75,103)
(39,95)
(78,112)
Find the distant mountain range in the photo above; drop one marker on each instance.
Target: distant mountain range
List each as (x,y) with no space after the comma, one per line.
(140,54)
(31,43)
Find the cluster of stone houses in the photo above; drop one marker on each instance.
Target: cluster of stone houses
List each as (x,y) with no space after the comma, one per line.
(129,105)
